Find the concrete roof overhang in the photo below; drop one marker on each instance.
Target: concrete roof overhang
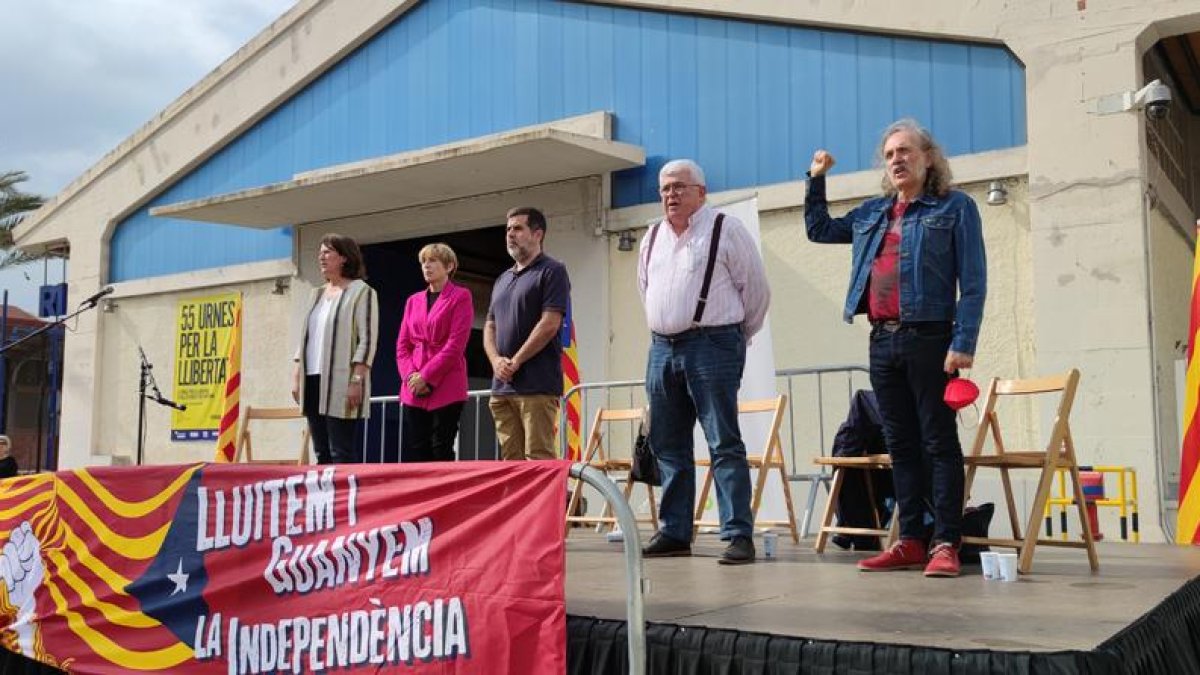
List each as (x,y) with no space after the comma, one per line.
(505,161)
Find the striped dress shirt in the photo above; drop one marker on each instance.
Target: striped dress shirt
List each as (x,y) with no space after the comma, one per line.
(670,280)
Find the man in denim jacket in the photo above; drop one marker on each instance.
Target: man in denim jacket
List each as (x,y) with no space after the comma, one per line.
(920,274)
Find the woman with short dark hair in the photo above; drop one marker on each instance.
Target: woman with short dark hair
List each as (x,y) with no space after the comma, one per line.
(332,378)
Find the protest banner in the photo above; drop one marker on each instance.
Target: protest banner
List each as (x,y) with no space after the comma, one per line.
(207,568)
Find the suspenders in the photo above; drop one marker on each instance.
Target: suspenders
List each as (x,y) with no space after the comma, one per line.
(708,270)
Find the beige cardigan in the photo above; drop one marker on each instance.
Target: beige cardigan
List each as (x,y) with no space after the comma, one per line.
(351,334)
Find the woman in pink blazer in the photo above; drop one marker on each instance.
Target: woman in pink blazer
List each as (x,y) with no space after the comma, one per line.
(430,353)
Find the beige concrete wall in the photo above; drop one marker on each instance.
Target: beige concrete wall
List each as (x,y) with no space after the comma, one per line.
(1171,283)
(150,322)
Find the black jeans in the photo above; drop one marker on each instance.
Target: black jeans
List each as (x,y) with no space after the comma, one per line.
(428,435)
(335,440)
(907,373)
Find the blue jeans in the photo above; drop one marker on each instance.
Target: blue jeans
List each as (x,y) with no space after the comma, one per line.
(695,375)
(908,376)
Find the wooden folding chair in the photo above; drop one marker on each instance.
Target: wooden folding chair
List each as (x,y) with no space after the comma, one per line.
(245,447)
(600,457)
(770,459)
(1059,455)
(861,464)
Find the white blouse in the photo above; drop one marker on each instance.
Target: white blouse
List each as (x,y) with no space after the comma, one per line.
(317,319)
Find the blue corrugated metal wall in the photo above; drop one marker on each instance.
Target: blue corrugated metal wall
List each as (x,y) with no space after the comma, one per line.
(749,101)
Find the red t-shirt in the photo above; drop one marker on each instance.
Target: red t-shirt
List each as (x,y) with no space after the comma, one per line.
(883,293)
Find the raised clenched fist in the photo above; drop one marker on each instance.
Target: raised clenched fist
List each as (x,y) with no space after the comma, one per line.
(822,162)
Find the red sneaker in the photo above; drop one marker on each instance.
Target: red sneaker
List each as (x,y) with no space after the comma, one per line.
(906,554)
(943,561)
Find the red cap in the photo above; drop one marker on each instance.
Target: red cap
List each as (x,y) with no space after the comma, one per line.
(960,393)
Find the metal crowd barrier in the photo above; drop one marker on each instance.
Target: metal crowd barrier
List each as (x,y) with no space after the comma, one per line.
(381,437)
(787,382)
(818,399)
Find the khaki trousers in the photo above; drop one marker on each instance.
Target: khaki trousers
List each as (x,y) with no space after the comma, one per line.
(526,426)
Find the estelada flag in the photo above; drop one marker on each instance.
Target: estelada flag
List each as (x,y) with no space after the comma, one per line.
(570,368)
(231,399)
(424,568)
(1187,528)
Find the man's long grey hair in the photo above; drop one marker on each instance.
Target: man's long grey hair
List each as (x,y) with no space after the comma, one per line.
(937,178)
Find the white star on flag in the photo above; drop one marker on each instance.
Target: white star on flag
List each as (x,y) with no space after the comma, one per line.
(179,579)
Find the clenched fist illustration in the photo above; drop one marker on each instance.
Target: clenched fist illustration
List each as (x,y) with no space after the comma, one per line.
(22,570)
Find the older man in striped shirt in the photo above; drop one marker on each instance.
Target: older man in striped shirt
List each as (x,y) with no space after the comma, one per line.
(705,292)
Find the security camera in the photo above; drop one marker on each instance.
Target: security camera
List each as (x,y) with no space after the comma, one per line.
(1158,109)
(1154,98)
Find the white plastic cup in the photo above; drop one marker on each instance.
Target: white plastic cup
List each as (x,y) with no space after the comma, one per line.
(1008,566)
(989,561)
(770,542)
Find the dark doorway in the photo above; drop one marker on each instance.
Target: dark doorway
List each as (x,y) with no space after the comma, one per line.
(395,274)
(30,386)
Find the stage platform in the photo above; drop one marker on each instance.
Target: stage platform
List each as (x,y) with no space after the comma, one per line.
(1061,613)
(802,613)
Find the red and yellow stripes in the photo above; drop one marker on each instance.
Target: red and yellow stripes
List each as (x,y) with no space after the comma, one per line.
(1187,529)
(231,400)
(97,534)
(570,364)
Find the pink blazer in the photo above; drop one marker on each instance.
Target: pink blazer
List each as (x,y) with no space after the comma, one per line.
(433,343)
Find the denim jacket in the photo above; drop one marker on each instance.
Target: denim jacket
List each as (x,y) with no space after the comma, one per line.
(941,246)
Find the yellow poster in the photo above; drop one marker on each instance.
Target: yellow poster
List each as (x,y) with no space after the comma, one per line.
(203,328)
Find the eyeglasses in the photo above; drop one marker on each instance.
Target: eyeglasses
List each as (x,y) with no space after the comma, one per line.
(675,188)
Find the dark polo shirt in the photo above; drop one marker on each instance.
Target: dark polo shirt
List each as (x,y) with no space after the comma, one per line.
(518,300)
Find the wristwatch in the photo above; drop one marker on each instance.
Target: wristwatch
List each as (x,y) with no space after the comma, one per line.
(356,379)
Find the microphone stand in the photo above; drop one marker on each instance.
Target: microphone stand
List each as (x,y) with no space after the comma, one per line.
(148,389)
(83,307)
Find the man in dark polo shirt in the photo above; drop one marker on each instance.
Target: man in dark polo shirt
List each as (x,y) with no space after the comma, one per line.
(529,301)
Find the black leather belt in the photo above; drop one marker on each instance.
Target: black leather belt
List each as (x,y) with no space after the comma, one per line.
(920,327)
(696,332)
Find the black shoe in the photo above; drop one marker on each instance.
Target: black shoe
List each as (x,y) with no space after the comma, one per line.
(867,544)
(842,541)
(739,552)
(662,546)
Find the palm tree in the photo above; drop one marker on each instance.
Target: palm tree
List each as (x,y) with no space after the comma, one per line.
(14,206)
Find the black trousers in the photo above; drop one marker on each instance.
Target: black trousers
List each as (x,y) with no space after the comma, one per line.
(335,440)
(428,435)
(919,428)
